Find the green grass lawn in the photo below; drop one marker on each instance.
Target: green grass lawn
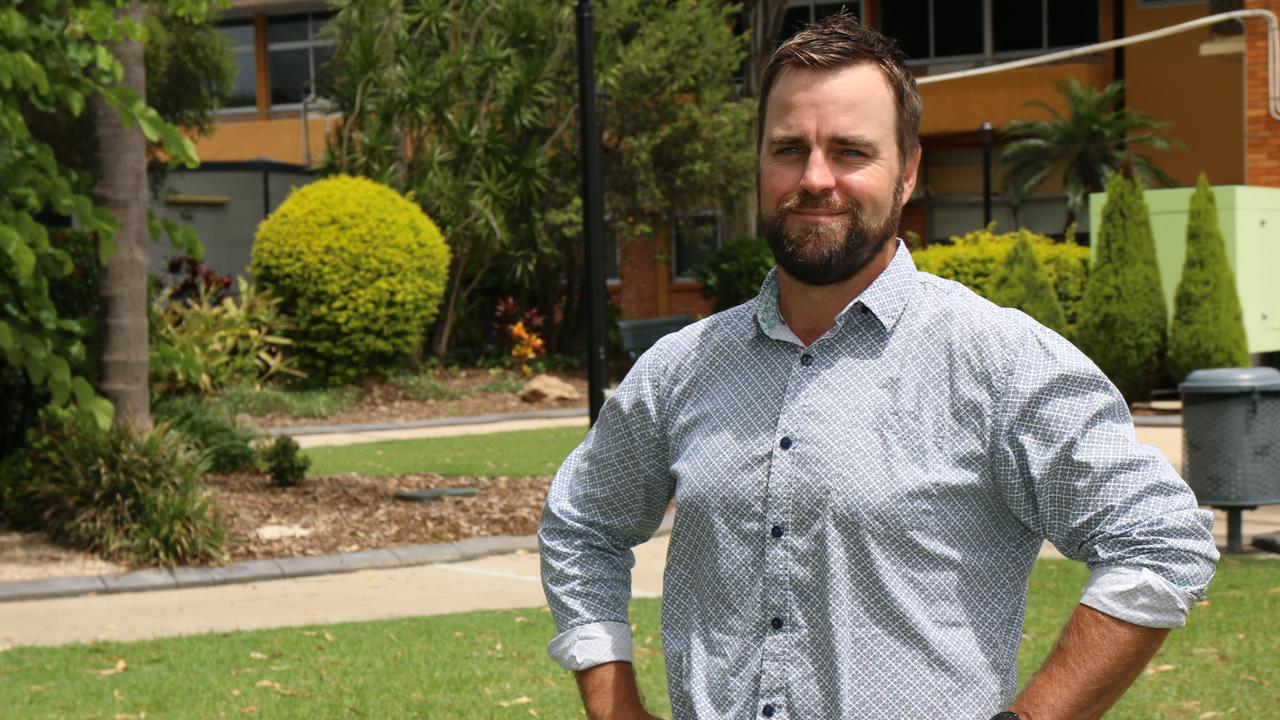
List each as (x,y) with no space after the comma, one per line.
(493,664)
(522,453)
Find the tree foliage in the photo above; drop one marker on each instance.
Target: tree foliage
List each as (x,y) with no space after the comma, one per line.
(1022,283)
(472,107)
(55,58)
(451,101)
(1208,325)
(1087,142)
(1123,316)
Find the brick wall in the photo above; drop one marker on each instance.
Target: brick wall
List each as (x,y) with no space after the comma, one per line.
(1262,140)
(637,293)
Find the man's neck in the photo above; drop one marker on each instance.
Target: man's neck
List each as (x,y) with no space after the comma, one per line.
(810,310)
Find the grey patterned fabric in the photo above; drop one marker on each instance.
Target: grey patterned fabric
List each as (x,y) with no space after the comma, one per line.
(856,521)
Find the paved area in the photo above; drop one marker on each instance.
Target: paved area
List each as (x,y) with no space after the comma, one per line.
(500,581)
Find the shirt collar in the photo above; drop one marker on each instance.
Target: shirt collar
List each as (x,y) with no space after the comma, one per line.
(885,298)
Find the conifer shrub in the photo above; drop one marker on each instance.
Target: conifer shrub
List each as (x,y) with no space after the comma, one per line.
(359,268)
(1022,283)
(1123,317)
(1208,324)
(974,260)
(285,462)
(127,495)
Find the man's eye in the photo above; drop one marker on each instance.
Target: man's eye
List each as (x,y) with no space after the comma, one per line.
(790,150)
(852,153)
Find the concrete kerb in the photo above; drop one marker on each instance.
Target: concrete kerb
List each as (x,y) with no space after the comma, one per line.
(278,569)
(422,424)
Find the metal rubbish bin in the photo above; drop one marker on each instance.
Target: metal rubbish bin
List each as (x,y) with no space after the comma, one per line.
(1231,440)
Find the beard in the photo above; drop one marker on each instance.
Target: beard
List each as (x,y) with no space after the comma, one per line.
(828,253)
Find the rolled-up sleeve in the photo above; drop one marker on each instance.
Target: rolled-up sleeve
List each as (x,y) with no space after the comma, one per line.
(1071,468)
(609,496)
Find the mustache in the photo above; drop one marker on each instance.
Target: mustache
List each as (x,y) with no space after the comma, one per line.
(808,201)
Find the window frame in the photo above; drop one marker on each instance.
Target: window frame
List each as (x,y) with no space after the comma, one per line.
(252,47)
(310,44)
(988,37)
(672,244)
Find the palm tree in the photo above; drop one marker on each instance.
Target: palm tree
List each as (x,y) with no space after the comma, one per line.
(1091,139)
(122,188)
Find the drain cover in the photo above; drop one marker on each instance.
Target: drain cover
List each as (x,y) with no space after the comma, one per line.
(436,493)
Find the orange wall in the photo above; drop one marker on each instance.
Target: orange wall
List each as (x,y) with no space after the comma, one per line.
(279,140)
(1202,98)
(961,106)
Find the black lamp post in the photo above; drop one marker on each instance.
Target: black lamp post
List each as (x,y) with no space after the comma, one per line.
(985,131)
(592,212)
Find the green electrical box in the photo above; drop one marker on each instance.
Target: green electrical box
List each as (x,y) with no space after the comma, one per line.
(1250,221)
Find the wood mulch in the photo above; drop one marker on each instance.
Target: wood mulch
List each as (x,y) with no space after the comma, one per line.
(351,513)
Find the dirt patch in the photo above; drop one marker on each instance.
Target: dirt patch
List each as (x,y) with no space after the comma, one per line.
(351,513)
(29,556)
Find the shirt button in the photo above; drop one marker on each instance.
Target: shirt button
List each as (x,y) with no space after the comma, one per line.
(767,710)
(776,531)
(785,443)
(776,623)
(806,359)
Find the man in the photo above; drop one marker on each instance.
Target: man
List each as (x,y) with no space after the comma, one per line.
(865,461)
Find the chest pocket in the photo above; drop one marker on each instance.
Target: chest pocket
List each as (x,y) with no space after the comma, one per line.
(877,459)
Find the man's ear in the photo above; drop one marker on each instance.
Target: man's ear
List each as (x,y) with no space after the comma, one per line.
(909,175)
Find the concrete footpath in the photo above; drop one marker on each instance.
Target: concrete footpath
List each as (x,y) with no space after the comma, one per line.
(327,590)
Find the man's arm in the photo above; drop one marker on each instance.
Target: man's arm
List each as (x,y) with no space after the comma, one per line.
(609,692)
(1094,661)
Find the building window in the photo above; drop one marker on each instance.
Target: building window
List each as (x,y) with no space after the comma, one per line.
(803,12)
(933,29)
(244,91)
(693,238)
(296,55)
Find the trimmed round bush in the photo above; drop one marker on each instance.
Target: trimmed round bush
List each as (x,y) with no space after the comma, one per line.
(361,271)
(975,260)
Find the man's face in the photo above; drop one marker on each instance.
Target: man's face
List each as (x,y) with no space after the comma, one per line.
(831,184)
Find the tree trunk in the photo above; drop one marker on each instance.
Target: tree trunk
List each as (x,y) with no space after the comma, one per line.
(122,188)
(448,313)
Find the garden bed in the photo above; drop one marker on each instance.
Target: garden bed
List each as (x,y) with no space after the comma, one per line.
(350,513)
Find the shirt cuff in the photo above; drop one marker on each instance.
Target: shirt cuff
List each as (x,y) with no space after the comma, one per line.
(1137,595)
(592,644)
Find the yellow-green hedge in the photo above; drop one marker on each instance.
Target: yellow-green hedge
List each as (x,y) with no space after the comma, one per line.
(361,271)
(973,259)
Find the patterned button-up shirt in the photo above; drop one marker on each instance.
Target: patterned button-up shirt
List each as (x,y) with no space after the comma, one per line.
(856,520)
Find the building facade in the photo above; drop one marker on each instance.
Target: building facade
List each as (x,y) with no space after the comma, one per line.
(1209,85)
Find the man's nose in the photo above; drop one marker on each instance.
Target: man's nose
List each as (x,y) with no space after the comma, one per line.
(817,174)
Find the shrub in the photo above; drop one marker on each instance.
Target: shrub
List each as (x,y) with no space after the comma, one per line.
(1208,325)
(202,346)
(285,463)
(974,259)
(127,495)
(360,269)
(732,274)
(1021,283)
(225,446)
(192,279)
(263,401)
(1123,316)
(75,296)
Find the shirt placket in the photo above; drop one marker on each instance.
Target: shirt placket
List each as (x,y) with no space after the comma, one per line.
(778,607)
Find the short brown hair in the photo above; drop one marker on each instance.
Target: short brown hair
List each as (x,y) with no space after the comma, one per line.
(839,41)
